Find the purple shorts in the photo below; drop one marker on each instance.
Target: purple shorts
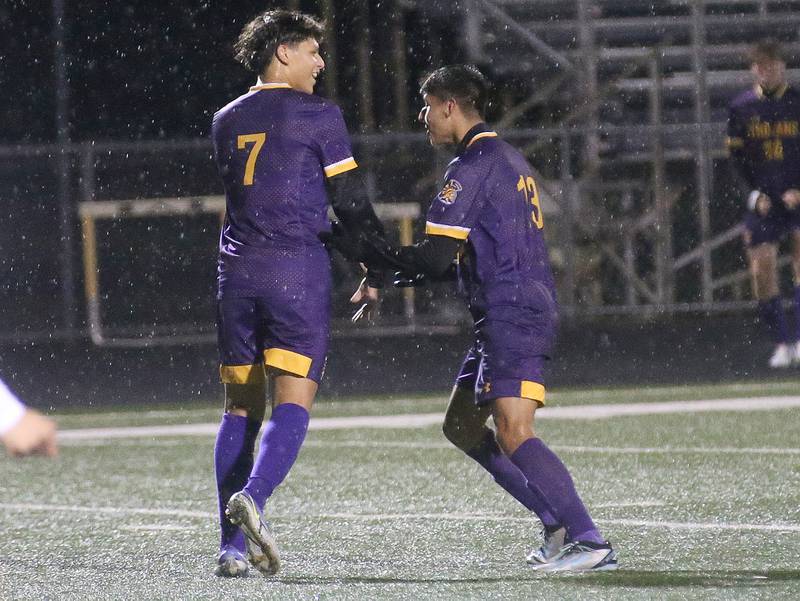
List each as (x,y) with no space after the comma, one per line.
(508,355)
(286,326)
(773,227)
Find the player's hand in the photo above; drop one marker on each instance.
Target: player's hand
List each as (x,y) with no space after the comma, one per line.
(791,198)
(403,280)
(378,252)
(763,205)
(367,298)
(34,434)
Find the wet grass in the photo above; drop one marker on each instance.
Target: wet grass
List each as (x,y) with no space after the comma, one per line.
(397,514)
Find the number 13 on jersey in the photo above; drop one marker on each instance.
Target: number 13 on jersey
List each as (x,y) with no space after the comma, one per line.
(527,186)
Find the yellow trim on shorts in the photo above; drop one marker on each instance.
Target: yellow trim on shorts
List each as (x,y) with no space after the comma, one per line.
(532,390)
(292,362)
(242,374)
(340,167)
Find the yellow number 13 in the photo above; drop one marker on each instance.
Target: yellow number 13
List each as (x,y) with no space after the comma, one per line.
(528,188)
(257,140)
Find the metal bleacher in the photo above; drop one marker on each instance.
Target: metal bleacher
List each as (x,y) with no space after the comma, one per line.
(616,41)
(633,96)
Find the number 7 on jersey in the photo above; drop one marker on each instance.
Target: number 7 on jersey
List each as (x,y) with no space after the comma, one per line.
(257,140)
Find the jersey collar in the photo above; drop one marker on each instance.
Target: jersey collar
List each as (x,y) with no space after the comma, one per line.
(477,132)
(260,85)
(777,94)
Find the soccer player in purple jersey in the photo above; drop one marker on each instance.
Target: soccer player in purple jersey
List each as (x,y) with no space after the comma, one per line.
(485,228)
(764,144)
(281,152)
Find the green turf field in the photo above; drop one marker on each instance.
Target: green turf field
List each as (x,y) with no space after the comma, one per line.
(699,506)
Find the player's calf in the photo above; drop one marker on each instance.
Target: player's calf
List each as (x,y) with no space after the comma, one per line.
(465,423)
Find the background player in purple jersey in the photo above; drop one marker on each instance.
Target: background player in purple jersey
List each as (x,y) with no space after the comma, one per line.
(764,144)
(485,228)
(281,153)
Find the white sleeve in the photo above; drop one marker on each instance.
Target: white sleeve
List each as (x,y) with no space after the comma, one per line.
(11,409)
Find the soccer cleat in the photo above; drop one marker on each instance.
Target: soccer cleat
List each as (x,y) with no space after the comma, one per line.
(553,542)
(262,551)
(782,356)
(583,556)
(231,564)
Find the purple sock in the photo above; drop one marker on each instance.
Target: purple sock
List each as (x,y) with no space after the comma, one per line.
(233,460)
(280,444)
(544,470)
(797,312)
(771,312)
(508,476)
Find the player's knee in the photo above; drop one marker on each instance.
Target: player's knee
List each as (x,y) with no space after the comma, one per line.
(246,399)
(511,434)
(460,434)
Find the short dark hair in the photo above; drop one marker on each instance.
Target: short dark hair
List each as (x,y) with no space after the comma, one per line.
(766,50)
(261,37)
(464,83)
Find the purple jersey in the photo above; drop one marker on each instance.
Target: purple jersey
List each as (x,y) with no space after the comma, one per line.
(274,146)
(490,200)
(764,140)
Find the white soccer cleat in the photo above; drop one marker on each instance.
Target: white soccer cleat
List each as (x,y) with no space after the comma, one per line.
(262,551)
(782,356)
(552,544)
(583,556)
(231,564)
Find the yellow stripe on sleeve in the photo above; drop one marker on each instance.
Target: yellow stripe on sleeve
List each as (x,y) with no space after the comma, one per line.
(340,167)
(532,390)
(733,142)
(290,361)
(450,231)
(242,374)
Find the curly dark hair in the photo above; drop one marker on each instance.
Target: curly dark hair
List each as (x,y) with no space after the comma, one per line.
(464,83)
(261,37)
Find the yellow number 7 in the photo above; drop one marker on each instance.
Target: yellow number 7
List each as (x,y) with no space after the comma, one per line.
(257,140)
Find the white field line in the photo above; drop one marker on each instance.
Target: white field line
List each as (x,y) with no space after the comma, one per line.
(446,446)
(153,527)
(376,444)
(598,393)
(421,420)
(378,517)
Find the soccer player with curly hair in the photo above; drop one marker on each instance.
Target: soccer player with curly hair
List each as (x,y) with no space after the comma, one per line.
(283,154)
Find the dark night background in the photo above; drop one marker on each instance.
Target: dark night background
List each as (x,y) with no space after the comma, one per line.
(154,70)
(141,71)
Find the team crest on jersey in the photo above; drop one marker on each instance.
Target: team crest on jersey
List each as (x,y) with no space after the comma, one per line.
(450,192)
